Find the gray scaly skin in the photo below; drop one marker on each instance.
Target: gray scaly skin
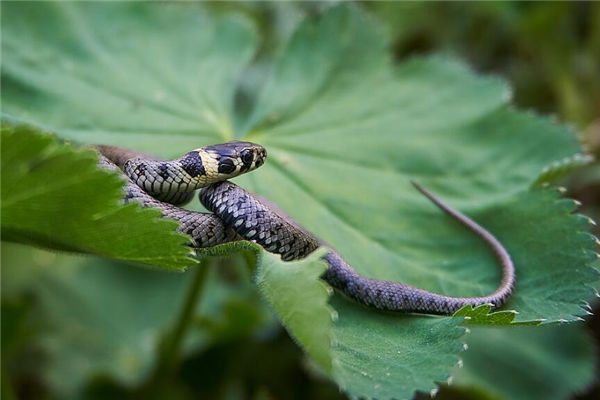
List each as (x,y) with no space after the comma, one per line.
(206,230)
(240,215)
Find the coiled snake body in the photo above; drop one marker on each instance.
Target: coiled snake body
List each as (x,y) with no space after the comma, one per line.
(240,215)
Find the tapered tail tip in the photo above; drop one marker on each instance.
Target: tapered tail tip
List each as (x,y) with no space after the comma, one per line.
(418,186)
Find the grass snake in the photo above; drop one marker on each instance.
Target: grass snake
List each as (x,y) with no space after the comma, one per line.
(240,215)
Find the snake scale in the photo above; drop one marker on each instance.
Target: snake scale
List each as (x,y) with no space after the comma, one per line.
(239,215)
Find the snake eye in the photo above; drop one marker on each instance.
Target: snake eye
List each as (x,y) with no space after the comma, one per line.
(226,166)
(247,156)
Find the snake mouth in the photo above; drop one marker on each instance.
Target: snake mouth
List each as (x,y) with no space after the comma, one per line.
(261,156)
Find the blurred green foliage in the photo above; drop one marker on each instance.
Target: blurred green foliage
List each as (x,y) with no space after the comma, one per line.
(550,55)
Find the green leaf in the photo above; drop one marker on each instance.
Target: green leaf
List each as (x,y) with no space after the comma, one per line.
(560,168)
(55,196)
(346,131)
(481,315)
(346,150)
(298,296)
(386,355)
(529,363)
(127,84)
(551,244)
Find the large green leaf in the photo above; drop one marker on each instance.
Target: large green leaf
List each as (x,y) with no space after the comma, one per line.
(121,73)
(346,131)
(346,148)
(55,196)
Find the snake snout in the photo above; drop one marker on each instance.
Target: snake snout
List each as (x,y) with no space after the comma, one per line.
(261,156)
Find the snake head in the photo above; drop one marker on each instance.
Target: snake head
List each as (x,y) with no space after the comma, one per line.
(235,158)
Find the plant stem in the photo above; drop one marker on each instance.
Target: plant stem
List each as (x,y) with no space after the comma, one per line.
(171,347)
(7,391)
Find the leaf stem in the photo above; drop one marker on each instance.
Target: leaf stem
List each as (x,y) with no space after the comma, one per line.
(7,391)
(171,347)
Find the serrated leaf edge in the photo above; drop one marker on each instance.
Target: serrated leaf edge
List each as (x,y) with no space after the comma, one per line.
(54,144)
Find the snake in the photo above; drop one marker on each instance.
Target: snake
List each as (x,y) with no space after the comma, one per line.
(237,214)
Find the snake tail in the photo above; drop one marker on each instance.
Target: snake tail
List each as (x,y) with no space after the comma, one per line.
(257,222)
